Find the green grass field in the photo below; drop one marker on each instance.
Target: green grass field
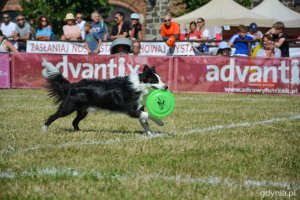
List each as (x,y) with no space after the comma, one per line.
(212,147)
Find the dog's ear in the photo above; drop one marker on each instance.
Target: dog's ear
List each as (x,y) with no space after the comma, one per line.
(146,69)
(153,69)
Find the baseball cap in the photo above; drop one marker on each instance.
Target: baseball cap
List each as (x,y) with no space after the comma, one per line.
(253,27)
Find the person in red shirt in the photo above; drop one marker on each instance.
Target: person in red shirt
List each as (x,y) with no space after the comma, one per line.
(169,28)
(194,34)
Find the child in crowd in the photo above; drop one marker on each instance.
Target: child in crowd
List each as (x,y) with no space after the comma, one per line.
(241,48)
(279,36)
(93,41)
(224,49)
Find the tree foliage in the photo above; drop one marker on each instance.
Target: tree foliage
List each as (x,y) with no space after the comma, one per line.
(194,4)
(56,10)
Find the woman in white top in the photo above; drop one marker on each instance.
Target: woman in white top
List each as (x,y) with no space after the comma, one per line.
(5,45)
(269,50)
(205,34)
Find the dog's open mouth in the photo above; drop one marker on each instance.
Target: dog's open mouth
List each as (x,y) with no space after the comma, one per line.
(156,88)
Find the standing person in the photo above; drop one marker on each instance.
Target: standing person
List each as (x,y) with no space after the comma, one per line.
(70,31)
(279,36)
(255,34)
(5,45)
(44,30)
(136,48)
(98,26)
(269,50)
(194,34)
(170,33)
(169,28)
(205,33)
(92,39)
(241,48)
(80,23)
(22,33)
(7,27)
(121,29)
(135,29)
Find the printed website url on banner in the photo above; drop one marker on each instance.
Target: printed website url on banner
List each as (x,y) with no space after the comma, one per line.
(262,90)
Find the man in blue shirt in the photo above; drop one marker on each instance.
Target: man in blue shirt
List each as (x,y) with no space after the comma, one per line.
(98,26)
(241,48)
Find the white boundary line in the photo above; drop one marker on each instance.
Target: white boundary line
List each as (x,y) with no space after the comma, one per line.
(118,140)
(71,172)
(242,124)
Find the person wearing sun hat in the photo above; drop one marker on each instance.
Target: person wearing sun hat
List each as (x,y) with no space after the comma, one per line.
(71,31)
(224,49)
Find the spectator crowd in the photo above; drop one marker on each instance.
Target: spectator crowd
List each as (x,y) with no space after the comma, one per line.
(13,35)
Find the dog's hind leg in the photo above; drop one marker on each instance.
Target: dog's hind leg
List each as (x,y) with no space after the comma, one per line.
(63,110)
(81,114)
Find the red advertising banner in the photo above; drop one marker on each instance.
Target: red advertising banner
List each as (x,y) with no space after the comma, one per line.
(4,71)
(27,68)
(237,75)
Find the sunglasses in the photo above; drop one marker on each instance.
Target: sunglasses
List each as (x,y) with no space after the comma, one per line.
(78,17)
(167,20)
(135,46)
(21,19)
(43,20)
(199,21)
(5,17)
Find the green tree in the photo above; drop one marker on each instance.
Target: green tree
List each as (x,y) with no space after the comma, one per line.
(194,4)
(56,10)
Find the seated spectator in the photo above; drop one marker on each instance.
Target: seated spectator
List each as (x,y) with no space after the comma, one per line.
(205,33)
(7,27)
(121,29)
(279,36)
(194,34)
(121,46)
(5,45)
(136,47)
(33,28)
(22,33)
(44,30)
(169,28)
(224,49)
(71,31)
(135,29)
(98,26)
(241,48)
(93,42)
(255,34)
(80,23)
(269,50)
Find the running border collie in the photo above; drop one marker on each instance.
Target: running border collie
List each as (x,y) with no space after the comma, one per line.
(121,94)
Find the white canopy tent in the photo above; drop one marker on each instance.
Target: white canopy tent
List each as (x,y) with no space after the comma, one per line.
(224,12)
(276,11)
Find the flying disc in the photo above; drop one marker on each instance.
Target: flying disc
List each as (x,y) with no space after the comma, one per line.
(160,103)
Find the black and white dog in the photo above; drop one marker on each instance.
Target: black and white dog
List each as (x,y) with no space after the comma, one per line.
(121,94)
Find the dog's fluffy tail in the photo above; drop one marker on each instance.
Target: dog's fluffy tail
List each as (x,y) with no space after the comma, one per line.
(57,85)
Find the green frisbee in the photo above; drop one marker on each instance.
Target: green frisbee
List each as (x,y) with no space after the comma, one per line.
(160,103)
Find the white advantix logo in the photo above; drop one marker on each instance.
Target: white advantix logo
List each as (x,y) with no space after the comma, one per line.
(97,70)
(254,74)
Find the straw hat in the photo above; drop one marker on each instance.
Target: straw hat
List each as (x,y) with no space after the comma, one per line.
(70,16)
